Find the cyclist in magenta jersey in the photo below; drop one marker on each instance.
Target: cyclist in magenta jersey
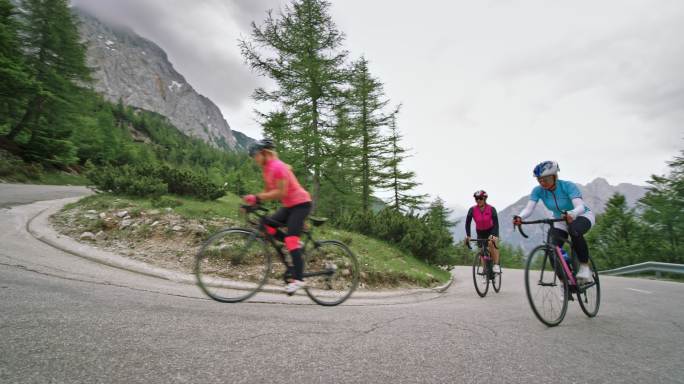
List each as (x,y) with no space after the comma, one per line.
(281,184)
(564,200)
(486,225)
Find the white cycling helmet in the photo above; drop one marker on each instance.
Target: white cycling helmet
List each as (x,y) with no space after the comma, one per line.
(546,168)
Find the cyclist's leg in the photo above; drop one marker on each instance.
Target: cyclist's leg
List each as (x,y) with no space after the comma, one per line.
(295,225)
(577,229)
(557,239)
(271,223)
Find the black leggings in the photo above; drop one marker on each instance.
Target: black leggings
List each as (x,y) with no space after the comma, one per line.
(577,229)
(293,218)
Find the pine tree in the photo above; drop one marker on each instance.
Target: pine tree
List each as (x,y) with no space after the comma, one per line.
(399,182)
(615,239)
(368,104)
(302,53)
(56,58)
(15,80)
(663,210)
(341,187)
(438,215)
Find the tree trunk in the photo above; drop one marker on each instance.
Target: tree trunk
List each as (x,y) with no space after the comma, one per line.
(33,108)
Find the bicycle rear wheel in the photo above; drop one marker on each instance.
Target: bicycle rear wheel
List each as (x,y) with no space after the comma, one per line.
(233,265)
(331,272)
(546,286)
(480,276)
(496,282)
(589,294)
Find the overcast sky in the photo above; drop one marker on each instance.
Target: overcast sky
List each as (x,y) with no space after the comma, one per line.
(489,88)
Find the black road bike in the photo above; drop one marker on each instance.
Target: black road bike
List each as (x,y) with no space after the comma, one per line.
(483,268)
(235,263)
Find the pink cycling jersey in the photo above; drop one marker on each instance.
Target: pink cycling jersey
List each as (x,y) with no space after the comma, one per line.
(275,170)
(483,219)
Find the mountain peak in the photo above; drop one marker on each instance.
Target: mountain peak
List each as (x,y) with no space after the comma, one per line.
(599,181)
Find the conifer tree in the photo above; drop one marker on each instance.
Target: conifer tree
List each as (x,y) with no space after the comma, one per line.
(56,59)
(368,107)
(400,183)
(15,80)
(300,49)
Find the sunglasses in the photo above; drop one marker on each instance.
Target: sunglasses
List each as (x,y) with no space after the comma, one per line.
(545,179)
(479,198)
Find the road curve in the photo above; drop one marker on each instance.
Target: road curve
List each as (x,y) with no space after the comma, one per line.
(65,319)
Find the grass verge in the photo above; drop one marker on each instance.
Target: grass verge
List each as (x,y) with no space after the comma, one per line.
(382,265)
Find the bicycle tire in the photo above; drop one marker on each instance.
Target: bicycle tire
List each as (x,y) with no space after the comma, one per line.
(339,270)
(590,298)
(543,273)
(480,274)
(496,282)
(233,265)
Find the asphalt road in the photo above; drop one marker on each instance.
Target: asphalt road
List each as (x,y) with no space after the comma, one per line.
(64,319)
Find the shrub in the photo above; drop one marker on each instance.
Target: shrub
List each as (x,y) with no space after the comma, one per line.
(154,181)
(411,233)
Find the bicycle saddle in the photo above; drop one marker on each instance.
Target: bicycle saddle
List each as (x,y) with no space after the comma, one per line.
(317,221)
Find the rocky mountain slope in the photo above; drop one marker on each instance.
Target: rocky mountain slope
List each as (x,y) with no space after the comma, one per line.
(136,71)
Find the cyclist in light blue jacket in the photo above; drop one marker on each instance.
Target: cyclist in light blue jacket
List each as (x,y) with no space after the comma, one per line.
(564,200)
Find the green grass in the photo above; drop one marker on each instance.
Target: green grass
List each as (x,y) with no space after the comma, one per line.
(383,264)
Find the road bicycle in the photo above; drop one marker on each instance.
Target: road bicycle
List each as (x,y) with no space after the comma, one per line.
(483,269)
(550,279)
(236,263)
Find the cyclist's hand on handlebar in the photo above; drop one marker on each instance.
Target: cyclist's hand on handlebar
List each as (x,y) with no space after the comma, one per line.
(467,239)
(568,218)
(517,220)
(250,199)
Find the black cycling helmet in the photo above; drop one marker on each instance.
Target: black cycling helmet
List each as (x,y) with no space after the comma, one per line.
(481,194)
(257,146)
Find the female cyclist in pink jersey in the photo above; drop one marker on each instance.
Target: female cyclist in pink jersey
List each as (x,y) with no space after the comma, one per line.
(486,225)
(281,184)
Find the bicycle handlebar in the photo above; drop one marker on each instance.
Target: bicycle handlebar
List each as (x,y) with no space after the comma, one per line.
(542,221)
(478,241)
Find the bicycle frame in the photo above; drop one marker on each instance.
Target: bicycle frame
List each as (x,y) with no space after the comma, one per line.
(549,243)
(484,253)
(306,233)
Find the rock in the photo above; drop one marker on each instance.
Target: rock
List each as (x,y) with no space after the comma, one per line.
(108,223)
(100,235)
(87,236)
(90,216)
(103,215)
(122,214)
(197,229)
(153,212)
(155,224)
(177,228)
(92,211)
(125,223)
(168,209)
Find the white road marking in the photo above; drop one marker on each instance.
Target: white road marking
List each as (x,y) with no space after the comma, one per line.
(640,291)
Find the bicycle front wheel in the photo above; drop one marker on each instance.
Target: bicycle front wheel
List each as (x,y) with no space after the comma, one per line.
(589,294)
(480,276)
(496,282)
(545,284)
(233,265)
(331,272)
